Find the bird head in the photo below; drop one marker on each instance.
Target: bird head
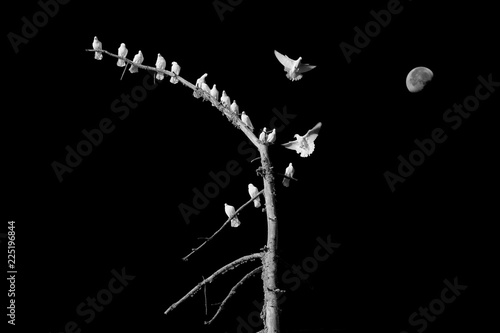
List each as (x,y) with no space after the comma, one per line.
(122,44)
(264,130)
(159,55)
(296,136)
(95,38)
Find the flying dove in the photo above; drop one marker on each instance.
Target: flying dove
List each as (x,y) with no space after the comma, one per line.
(230,211)
(215,94)
(122,52)
(293,68)
(246,120)
(253,191)
(225,100)
(138,59)
(176,69)
(304,145)
(235,108)
(288,172)
(160,64)
(201,80)
(97,45)
(272,136)
(262,136)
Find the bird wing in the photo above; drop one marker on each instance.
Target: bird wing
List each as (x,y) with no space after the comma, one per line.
(294,145)
(285,61)
(313,133)
(305,68)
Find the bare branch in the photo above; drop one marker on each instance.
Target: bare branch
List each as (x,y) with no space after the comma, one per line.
(223,225)
(235,119)
(282,175)
(232,292)
(220,271)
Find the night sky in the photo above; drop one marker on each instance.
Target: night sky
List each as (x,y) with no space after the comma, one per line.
(118,211)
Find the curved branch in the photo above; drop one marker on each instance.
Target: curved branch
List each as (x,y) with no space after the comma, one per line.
(232,292)
(223,225)
(220,271)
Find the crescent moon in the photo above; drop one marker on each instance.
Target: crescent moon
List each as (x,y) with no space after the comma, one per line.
(417,78)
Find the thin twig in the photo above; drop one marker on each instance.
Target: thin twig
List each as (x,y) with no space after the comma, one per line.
(205,294)
(123,71)
(223,225)
(232,292)
(282,175)
(220,271)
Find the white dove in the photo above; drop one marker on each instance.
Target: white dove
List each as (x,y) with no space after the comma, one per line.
(97,45)
(122,52)
(215,94)
(201,80)
(205,87)
(138,59)
(225,100)
(230,211)
(246,120)
(176,69)
(288,172)
(235,108)
(304,145)
(262,136)
(253,191)
(293,68)
(160,64)
(272,136)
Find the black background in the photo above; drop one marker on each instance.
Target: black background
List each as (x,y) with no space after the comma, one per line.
(120,206)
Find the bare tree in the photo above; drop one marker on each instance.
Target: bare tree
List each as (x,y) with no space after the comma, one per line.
(268,256)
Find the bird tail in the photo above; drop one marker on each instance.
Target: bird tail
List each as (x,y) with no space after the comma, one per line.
(235,222)
(133,69)
(286,182)
(256,203)
(160,76)
(174,80)
(120,63)
(98,55)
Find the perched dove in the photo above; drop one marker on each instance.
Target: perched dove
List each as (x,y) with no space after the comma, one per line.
(225,100)
(176,69)
(160,64)
(201,80)
(263,136)
(272,136)
(246,120)
(235,108)
(205,88)
(288,172)
(304,145)
(293,68)
(214,93)
(122,52)
(230,211)
(97,45)
(138,59)
(253,191)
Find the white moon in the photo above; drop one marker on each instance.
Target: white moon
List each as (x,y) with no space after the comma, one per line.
(417,78)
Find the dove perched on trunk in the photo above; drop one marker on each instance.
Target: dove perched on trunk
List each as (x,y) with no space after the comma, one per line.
(235,108)
(293,68)
(225,100)
(288,172)
(253,191)
(215,94)
(304,145)
(122,52)
(263,136)
(97,45)
(138,59)
(176,69)
(200,81)
(272,136)
(246,120)
(160,64)
(230,211)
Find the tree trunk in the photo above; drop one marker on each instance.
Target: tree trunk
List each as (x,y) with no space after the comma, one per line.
(270,310)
